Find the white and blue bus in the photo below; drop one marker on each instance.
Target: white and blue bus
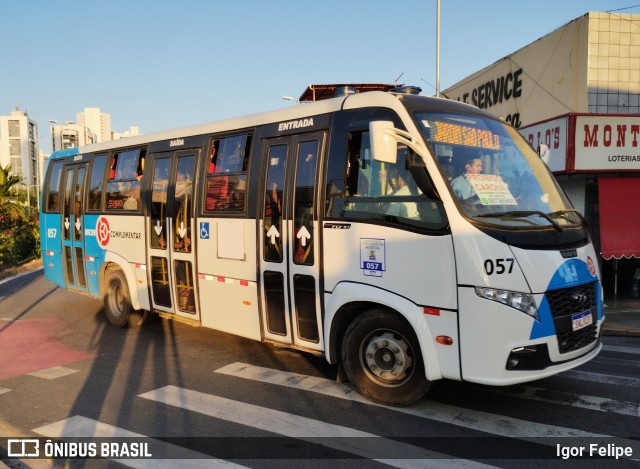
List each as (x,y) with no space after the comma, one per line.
(407,239)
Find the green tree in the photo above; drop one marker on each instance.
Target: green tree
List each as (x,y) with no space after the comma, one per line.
(8,181)
(19,230)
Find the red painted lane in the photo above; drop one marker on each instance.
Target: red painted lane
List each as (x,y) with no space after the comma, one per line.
(29,345)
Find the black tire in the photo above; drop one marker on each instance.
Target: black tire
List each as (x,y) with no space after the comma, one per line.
(117,302)
(381,357)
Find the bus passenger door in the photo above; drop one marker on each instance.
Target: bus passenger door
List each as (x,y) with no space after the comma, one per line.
(72,226)
(170,229)
(289,253)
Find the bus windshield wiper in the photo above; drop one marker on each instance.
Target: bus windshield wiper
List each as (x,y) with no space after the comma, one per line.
(563,214)
(524,213)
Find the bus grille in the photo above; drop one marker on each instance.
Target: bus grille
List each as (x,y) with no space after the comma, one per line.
(563,302)
(570,341)
(569,301)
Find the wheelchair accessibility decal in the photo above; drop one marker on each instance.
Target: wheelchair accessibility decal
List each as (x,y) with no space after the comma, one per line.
(204,230)
(372,257)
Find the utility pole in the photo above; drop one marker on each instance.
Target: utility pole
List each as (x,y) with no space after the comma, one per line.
(438,48)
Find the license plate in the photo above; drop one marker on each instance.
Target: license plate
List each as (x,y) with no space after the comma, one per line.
(580,320)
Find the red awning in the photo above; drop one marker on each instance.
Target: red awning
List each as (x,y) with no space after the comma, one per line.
(619,217)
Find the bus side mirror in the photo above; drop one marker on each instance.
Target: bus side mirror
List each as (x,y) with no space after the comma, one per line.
(383,145)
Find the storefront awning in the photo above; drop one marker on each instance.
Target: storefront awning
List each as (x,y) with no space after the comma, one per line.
(619,217)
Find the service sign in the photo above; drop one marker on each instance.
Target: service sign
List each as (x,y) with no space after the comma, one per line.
(610,143)
(553,134)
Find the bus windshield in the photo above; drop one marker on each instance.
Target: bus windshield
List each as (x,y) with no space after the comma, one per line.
(496,177)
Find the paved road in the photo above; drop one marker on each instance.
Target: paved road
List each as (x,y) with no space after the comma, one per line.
(200,394)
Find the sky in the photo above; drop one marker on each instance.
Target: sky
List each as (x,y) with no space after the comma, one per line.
(161,64)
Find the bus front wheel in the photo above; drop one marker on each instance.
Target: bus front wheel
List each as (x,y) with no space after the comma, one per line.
(117,302)
(381,357)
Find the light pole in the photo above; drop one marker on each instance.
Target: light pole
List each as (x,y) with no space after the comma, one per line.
(53,135)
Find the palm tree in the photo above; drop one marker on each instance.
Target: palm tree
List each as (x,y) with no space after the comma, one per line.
(8,181)
(18,233)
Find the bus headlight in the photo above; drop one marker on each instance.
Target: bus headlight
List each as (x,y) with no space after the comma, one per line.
(521,301)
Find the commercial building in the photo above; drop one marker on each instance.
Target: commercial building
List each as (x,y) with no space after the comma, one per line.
(575,93)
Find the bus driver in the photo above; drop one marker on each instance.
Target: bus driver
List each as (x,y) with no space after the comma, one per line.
(461,186)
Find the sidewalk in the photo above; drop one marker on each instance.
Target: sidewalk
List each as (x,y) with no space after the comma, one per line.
(622,315)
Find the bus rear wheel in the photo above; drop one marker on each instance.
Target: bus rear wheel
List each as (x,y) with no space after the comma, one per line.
(117,302)
(381,358)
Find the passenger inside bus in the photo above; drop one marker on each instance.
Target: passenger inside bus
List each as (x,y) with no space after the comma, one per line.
(226,175)
(403,184)
(54,200)
(217,184)
(462,188)
(125,175)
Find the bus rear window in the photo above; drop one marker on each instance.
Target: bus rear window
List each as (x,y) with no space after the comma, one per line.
(53,189)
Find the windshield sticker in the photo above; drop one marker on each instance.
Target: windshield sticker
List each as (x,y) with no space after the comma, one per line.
(491,189)
(372,257)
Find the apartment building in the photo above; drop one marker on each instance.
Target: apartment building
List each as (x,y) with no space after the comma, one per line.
(19,146)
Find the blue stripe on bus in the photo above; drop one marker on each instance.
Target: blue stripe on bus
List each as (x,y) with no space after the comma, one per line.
(571,273)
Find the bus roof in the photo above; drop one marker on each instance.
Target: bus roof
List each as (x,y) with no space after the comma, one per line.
(351,101)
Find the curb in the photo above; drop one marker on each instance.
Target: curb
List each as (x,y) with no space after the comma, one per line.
(621,331)
(21,274)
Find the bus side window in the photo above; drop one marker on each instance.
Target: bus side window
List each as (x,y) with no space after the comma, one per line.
(125,174)
(227,174)
(53,189)
(376,191)
(96,181)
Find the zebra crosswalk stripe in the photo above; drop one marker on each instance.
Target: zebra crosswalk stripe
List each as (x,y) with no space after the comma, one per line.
(600,404)
(470,419)
(603,378)
(337,437)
